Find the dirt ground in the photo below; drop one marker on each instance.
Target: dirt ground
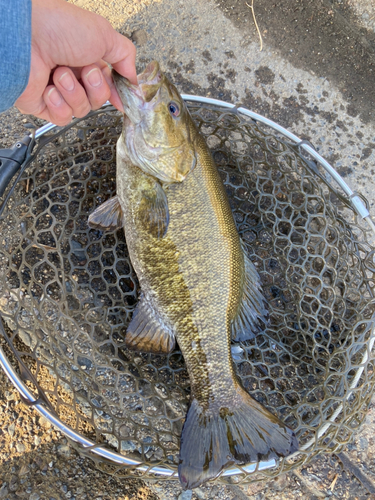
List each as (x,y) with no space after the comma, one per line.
(314,76)
(325,37)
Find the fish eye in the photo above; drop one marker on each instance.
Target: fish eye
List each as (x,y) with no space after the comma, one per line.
(173,109)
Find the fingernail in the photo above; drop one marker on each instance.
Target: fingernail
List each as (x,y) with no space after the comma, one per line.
(54,96)
(95,77)
(67,81)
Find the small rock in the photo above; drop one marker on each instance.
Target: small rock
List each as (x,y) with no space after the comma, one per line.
(280,483)
(3,491)
(27,339)
(44,422)
(11,429)
(363,443)
(64,450)
(34,496)
(37,440)
(9,396)
(20,447)
(13,486)
(24,470)
(139,37)
(200,493)
(185,495)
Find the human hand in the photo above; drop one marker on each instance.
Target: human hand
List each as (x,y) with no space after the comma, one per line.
(69,75)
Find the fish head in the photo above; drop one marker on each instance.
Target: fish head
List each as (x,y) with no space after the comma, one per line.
(158,133)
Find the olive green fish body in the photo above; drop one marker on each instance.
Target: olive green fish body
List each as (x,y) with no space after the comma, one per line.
(192,276)
(197,284)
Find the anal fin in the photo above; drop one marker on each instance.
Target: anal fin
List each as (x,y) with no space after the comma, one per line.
(252,315)
(147,331)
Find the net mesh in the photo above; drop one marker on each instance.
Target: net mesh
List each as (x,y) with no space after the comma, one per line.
(67,293)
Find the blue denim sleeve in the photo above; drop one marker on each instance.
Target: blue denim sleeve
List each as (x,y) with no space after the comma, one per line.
(15,49)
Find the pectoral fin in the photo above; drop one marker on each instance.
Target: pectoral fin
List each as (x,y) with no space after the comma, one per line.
(147,332)
(252,315)
(108,216)
(153,210)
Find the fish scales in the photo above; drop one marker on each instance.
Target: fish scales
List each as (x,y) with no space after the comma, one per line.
(195,279)
(197,284)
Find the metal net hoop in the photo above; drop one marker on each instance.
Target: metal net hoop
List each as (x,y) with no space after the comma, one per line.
(67,293)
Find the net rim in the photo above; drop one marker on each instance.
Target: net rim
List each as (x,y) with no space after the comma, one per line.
(356,203)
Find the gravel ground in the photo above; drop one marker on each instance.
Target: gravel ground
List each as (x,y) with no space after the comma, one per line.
(36,462)
(365,10)
(311,81)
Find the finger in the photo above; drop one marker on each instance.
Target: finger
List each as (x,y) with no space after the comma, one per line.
(60,113)
(31,101)
(43,113)
(72,91)
(121,54)
(114,98)
(78,38)
(96,86)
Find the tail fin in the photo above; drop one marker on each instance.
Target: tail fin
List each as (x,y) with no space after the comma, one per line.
(245,433)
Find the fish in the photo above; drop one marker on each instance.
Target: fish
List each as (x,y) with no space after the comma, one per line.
(198,286)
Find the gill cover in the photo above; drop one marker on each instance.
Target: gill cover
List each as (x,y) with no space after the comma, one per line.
(158,133)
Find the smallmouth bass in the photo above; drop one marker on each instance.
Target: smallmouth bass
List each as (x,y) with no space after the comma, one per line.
(197,284)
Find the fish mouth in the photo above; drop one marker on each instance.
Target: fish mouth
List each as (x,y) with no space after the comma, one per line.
(150,75)
(137,96)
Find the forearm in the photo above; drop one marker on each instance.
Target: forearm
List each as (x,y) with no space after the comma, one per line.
(15,49)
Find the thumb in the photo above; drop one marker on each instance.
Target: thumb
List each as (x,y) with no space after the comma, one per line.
(120,54)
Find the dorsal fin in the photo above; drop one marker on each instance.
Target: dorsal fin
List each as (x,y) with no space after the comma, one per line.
(252,315)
